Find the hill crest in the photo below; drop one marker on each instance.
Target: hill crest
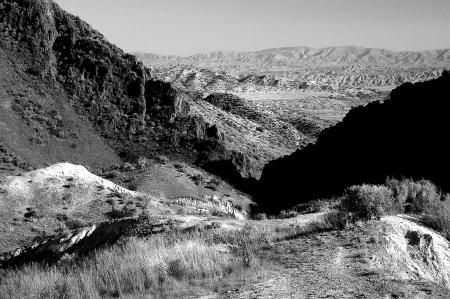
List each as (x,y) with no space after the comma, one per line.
(312,57)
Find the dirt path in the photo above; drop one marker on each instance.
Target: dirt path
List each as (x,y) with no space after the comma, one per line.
(331,265)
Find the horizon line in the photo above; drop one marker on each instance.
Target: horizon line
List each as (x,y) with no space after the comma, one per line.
(288,47)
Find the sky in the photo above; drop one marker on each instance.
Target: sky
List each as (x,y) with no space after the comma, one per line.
(186,27)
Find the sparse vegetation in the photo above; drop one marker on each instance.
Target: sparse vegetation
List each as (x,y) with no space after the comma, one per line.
(167,265)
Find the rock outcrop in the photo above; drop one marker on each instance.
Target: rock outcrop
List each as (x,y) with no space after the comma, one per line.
(105,83)
(79,79)
(76,243)
(403,137)
(211,205)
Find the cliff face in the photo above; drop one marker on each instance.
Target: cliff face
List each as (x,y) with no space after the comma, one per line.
(403,137)
(105,83)
(78,77)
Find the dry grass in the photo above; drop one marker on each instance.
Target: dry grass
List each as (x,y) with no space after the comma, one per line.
(169,265)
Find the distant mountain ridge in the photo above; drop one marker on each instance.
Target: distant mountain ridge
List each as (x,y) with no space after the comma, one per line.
(311,57)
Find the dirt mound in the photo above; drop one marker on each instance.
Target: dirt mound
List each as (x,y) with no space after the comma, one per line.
(402,137)
(414,252)
(48,201)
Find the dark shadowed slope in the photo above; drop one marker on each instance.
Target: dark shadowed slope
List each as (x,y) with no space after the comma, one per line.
(406,136)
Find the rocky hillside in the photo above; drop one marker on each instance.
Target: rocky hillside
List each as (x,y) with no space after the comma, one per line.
(69,94)
(403,136)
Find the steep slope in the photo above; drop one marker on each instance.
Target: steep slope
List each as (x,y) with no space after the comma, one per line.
(257,134)
(403,137)
(38,125)
(68,94)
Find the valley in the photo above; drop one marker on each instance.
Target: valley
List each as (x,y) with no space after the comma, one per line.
(282,173)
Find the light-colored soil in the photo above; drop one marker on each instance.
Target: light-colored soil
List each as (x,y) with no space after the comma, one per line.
(340,264)
(40,202)
(49,202)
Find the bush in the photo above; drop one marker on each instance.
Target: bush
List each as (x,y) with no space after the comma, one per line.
(260,216)
(133,186)
(336,219)
(397,196)
(127,211)
(414,197)
(112,174)
(75,223)
(437,216)
(367,201)
(142,162)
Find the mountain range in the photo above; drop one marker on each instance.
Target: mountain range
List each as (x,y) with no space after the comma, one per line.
(299,57)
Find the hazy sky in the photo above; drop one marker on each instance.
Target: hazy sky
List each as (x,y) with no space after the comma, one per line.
(187,27)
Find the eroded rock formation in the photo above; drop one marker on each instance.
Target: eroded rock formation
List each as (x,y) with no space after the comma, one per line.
(76,243)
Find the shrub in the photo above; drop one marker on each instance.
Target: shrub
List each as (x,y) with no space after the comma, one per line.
(336,219)
(287,214)
(133,186)
(127,211)
(367,201)
(112,174)
(75,223)
(414,197)
(142,162)
(397,196)
(437,216)
(127,167)
(260,216)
